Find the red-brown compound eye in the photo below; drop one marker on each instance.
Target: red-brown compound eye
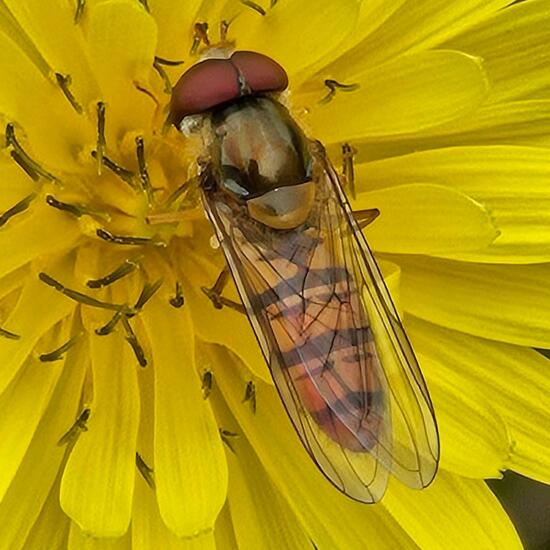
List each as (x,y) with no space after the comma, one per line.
(216,81)
(261,73)
(204,86)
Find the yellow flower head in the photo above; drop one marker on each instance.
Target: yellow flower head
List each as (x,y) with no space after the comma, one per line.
(134,414)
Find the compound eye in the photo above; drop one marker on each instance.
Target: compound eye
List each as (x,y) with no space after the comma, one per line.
(203,86)
(285,207)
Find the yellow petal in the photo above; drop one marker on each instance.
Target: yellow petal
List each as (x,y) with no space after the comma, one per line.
(512,379)
(22,405)
(225,536)
(296,34)
(511,182)
(79,540)
(48,135)
(40,231)
(513,44)
(224,326)
(190,466)
(425,219)
(454,512)
(51,529)
(37,309)
(293,472)
(416,26)
(98,483)
(122,39)
(50,26)
(263,518)
(175,20)
(505,303)
(36,476)
(405,95)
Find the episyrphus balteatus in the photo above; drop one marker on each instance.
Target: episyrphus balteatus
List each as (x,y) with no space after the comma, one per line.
(314,295)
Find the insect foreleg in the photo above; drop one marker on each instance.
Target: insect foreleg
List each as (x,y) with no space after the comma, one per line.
(215,292)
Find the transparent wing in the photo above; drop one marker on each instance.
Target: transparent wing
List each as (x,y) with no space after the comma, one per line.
(336,349)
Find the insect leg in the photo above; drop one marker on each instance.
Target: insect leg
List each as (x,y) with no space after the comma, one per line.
(348,171)
(215,292)
(366,217)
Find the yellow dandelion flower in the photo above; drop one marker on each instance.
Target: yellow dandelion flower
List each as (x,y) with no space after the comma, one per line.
(133,414)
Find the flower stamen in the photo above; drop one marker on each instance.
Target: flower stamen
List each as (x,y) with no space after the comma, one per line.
(250,395)
(146,294)
(123,173)
(78,296)
(74,209)
(31,167)
(17,208)
(101,142)
(126,240)
(178,300)
(74,431)
(80,4)
(226,436)
(333,85)
(9,335)
(132,339)
(256,7)
(145,4)
(200,35)
(64,82)
(157,65)
(57,354)
(146,471)
(143,172)
(110,326)
(127,267)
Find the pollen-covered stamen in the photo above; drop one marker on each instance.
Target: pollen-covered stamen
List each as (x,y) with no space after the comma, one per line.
(124,174)
(146,471)
(132,339)
(127,267)
(9,335)
(207,383)
(178,300)
(57,354)
(74,431)
(226,436)
(65,82)
(200,35)
(143,172)
(348,171)
(30,166)
(250,395)
(101,142)
(110,326)
(78,296)
(256,7)
(334,85)
(80,5)
(126,239)
(17,208)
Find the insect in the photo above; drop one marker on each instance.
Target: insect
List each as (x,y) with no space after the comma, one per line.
(314,295)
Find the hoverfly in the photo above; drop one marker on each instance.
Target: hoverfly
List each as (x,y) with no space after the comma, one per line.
(314,295)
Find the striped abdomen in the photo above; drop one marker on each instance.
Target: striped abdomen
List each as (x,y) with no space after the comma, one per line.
(327,349)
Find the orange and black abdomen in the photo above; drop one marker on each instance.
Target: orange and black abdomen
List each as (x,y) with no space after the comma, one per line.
(327,348)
